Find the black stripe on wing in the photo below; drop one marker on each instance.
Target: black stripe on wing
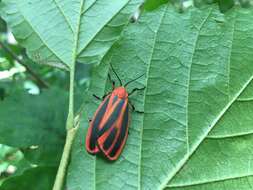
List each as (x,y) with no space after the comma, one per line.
(109,140)
(114,99)
(97,120)
(114,116)
(122,134)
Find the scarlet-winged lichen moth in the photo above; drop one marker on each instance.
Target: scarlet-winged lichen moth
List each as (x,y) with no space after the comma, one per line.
(108,130)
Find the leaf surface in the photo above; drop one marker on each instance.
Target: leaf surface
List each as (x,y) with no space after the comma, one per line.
(198,73)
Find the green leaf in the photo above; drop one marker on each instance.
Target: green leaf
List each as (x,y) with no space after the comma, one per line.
(35,120)
(230,125)
(245,3)
(3,27)
(9,156)
(199,3)
(65,31)
(199,75)
(4,64)
(224,158)
(12,157)
(39,178)
(153,4)
(226,4)
(218,163)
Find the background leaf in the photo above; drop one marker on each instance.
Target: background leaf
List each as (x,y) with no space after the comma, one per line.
(153,4)
(226,4)
(79,30)
(30,111)
(42,178)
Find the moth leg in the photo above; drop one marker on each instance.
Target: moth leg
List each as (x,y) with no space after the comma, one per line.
(135,89)
(105,96)
(97,97)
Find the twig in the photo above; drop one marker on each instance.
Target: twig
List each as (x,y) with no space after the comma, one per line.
(71,127)
(38,80)
(71,133)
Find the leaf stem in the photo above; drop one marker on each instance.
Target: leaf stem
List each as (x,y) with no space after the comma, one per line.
(71,133)
(71,127)
(70,119)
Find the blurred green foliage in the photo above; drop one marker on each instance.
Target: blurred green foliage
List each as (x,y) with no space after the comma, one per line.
(26,153)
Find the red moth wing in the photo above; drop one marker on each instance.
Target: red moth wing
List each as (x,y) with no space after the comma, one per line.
(113,135)
(92,134)
(108,130)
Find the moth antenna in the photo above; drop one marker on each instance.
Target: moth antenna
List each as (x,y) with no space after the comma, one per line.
(116,74)
(134,80)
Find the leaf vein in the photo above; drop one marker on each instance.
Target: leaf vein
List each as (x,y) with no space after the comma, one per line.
(37,34)
(102,27)
(64,16)
(212,181)
(150,60)
(196,145)
(189,79)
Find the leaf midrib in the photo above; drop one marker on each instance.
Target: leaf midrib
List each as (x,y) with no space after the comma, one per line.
(77,34)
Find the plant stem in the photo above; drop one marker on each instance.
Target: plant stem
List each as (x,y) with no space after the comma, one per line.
(71,128)
(37,79)
(70,119)
(71,133)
